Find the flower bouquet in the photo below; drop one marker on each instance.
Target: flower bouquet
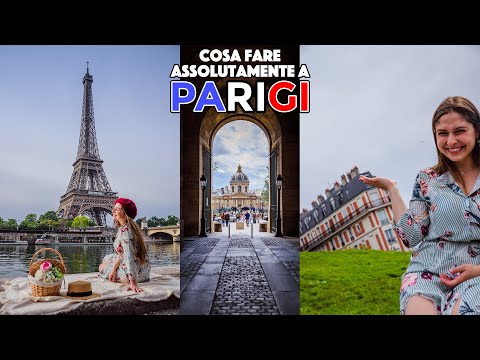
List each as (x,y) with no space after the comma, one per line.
(46,275)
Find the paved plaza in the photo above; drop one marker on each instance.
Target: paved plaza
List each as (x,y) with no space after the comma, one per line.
(237,274)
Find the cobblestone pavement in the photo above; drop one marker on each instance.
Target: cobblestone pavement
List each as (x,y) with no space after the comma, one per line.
(239,275)
(243,289)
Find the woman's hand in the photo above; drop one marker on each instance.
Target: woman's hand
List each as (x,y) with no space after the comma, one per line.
(380,182)
(461,273)
(133,286)
(113,275)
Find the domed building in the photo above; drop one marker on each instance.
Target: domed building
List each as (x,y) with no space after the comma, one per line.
(238,195)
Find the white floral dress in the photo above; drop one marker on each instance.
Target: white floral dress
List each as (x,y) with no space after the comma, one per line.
(130,267)
(442,226)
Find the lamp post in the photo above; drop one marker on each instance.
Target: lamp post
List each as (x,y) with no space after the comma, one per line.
(279,220)
(203,184)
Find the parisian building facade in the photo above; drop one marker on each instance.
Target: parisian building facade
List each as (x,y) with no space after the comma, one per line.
(238,195)
(352,215)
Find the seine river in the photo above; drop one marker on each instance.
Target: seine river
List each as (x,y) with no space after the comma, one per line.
(15,259)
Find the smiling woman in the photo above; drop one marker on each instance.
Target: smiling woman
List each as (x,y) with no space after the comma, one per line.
(442,223)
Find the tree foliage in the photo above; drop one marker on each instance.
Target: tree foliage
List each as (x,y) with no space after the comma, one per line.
(81,222)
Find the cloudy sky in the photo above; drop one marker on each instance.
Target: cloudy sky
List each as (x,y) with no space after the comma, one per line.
(240,142)
(41,94)
(372,106)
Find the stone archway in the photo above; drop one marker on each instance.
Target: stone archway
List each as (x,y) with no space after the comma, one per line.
(197,131)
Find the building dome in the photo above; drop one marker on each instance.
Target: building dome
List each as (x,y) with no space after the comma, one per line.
(239,176)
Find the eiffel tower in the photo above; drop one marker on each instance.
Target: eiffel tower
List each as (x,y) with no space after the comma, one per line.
(88,192)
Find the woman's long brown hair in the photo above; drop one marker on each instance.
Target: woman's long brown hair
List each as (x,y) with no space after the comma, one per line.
(139,244)
(464,107)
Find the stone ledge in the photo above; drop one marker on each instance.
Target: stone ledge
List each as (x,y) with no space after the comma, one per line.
(127,306)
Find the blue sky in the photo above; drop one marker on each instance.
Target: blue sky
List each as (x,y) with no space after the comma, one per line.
(41,95)
(240,142)
(372,106)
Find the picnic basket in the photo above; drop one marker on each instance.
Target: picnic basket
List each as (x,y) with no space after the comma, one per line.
(40,288)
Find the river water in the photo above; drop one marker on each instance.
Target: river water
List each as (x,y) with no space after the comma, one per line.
(79,258)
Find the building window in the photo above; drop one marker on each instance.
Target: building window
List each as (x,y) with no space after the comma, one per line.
(351,234)
(357,226)
(332,201)
(341,239)
(324,210)
(352,208)
(390,236)
(382,216)
(233,189)
(239,188)
(374,198)
(305,221)
(315,215)
(340,198)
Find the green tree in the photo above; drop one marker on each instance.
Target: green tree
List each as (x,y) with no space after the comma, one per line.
(30,222)
(153,221)
(64,223)
(48,224)
(11,224)
(80,221)
(49,215)
(172,220)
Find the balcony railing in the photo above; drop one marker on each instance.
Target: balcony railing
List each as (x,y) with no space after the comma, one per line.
(331,229)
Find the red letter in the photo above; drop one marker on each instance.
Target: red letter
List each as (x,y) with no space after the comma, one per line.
(273,96)
(304,96)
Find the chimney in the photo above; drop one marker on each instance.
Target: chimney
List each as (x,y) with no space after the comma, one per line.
(354,171)
(314,204)
(320,199)
(336,186)
(304,211)
(328,192)
(349,176)
(344,180)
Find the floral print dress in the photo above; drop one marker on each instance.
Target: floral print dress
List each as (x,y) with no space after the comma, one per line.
(130,267)
(442,226)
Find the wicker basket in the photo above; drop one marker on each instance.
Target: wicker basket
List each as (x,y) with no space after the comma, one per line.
(44,289)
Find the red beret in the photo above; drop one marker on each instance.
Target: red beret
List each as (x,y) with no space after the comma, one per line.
(129,207)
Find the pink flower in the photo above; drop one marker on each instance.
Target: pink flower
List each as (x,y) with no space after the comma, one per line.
(46,265)
(431,173)
(119,249)
(424,187)
(408,280)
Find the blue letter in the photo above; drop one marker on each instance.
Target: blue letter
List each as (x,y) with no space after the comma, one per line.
(175,99)
(209,97)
